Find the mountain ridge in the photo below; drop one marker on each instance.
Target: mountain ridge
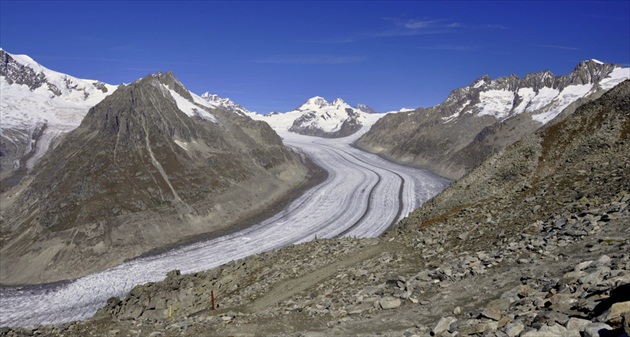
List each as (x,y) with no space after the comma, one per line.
(473,121)
(320,118)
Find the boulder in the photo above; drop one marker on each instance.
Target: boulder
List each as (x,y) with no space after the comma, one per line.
(597,330)
(443,325)
(389,303)
(614,314)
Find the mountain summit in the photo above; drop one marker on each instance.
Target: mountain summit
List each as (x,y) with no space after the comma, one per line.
(150,165)
(38,105)
(318,117)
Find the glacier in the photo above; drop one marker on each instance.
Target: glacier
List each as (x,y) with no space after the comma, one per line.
(362,196)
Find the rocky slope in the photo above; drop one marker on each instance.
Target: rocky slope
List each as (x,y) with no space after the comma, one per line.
(486,116)
(534,242)
(318,117)
(149,166)
(38,105)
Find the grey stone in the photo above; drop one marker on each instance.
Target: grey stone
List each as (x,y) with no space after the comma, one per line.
(613,314)
(492,313)
(501,304)
(555,329)
(514,329)
(537,333)
(443,325)
(154,314)
(572,276)
(594,277)
(389,303)
(582,265)
(603,260)
(596,330)
(577,324)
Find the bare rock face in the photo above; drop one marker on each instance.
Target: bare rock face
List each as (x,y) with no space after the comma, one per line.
(18,73)
(146,168)
(486,116)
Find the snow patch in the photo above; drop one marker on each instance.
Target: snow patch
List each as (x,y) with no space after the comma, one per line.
(479,83)
(405,110)
(183,145)
(456,114)
(617,76)
(497,103)
(190,108)
(526,95)
(569,95)
(543,98)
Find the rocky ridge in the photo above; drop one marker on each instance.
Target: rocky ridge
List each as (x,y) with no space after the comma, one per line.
(534,242)
(486,116)
(151,159)
(224,102)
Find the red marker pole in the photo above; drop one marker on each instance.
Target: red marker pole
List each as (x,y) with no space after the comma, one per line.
(212,298)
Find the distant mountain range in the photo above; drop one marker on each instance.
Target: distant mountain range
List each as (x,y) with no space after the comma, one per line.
(453,137)
(318,117)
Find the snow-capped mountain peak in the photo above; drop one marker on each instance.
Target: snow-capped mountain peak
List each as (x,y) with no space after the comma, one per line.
(38,105)
(23,70)
(338,102)
(365,108)
(223,102)
(313,103)
(318,117)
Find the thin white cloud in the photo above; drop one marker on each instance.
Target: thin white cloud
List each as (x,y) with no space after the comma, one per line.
(492,26)
(418,24)
(414,32)
(409,27)
(309,59)
(455,25)
(550,46)
(451,47)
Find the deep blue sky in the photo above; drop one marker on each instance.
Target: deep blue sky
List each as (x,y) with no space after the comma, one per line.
(272,56)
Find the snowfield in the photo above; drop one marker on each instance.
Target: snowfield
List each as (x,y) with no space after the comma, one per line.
(362,196)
